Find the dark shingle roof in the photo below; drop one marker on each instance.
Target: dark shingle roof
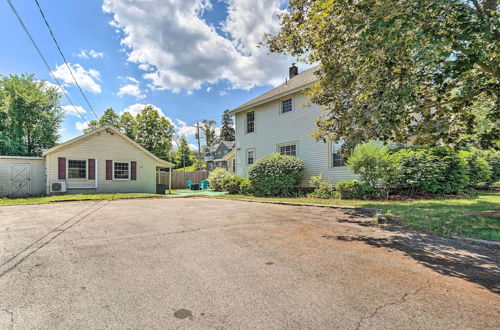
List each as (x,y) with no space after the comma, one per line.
(300,81)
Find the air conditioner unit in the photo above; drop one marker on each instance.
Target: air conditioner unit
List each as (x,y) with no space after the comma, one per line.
(57,186)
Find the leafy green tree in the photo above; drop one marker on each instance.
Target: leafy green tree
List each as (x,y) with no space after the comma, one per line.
(208,128)
(184,156)
(154,132)
(127,125)
(30,115)
(227,129)
(396,69)
(109,117)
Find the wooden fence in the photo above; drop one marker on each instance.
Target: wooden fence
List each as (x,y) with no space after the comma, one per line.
(180,178)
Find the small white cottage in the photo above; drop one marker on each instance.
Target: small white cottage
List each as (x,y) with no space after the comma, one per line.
(102,161)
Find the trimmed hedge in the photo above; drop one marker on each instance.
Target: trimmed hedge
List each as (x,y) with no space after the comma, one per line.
(429,171)
(275,175)
(232,185)
(246,187)
(355,189)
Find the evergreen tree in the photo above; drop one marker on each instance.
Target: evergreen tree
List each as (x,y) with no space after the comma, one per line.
(227,129)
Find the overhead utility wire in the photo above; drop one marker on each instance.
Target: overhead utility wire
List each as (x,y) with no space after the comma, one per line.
(43,58)
(64,58)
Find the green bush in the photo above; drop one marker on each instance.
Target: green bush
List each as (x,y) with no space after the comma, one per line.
(373,162)
(216,178)
(246,187)
(232,184)
(478,169)
(429,171)
(355,189)
(493,159)
(322,189)
(275,175)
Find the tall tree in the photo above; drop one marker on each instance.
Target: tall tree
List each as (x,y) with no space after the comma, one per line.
(30,115)
(208,128)
(396,69)
(184,156)
(227,129)
(154,132)
(109,117)
(128,125)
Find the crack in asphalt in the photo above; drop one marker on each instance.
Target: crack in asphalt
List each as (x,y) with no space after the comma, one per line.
(401,300)
(59,230)
(11,316)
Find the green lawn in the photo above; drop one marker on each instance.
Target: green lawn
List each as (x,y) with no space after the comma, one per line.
(441,216)
(48,199)
(188,168)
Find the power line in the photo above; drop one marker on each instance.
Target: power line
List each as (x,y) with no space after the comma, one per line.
(43,58)
(64,58)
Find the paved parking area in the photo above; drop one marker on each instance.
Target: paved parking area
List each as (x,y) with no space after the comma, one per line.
(208,263)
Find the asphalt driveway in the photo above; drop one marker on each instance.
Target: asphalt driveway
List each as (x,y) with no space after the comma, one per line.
(208,263)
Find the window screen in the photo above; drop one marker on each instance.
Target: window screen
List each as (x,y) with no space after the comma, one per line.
(77,169)
(250,157)
(121,170)
(250,122)
(286,106)
(289,150)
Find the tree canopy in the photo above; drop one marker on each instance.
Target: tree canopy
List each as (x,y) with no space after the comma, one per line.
(208,128)
(227,127)
(184,156)
(392,70)
(30,115)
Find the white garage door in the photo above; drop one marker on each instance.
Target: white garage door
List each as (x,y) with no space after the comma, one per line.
(20,179)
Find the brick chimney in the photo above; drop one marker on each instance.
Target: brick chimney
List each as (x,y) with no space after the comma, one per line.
(293,71)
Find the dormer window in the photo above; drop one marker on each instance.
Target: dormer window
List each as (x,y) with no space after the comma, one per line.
(286,106)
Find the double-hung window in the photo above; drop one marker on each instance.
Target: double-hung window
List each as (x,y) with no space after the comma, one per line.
(121,171)
(77,169)
(250,157)
(250,122)
(288,149)
(337,158)
(286,106)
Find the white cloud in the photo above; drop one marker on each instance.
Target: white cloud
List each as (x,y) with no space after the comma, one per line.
(132,90)
(90,54)
(183,129)
(73,110)
(193,147)
(86,78)
(222,93)
(47,84)
(134,109)
(178,50)
(132,79)
(81,125)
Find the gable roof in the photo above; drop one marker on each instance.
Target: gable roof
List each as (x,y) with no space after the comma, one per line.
(126,138)
(299,82)
(214,147)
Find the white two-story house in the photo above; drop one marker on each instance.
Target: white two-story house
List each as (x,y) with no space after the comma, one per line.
(282,121)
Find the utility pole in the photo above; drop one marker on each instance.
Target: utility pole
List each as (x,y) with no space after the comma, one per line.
(198,137)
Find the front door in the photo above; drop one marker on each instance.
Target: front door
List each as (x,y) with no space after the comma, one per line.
(20,180)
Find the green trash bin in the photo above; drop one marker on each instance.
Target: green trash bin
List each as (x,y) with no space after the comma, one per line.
(160,188)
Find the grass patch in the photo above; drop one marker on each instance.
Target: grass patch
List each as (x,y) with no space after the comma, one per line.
(188,169)
(441,216)
(48,199)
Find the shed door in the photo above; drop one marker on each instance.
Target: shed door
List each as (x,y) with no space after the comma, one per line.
(20,179)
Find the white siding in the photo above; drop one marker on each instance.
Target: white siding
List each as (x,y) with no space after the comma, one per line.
(273,128)
(103,146)
(37,174)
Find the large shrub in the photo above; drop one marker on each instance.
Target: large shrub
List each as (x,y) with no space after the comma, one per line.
(355,189)
(216,178)
(478,169)
(275,175)
(493,159)
(246,187)
(429,171)
(373,162)
(322,188)
(232,184)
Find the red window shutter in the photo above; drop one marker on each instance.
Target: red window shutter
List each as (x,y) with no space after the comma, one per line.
(109,170)
(61,168)
(91,169)
(133,170)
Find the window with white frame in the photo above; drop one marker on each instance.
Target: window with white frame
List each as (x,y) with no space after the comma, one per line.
(77,169)
(288,149)
(286,105)
(250,157)
(337,157)
(121,171)
(250,122)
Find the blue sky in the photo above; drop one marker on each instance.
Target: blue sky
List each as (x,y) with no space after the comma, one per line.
(191,59)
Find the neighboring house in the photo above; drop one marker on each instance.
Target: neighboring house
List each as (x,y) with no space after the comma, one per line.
(230,159)
(282,120)
(102,161)
(214,155)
